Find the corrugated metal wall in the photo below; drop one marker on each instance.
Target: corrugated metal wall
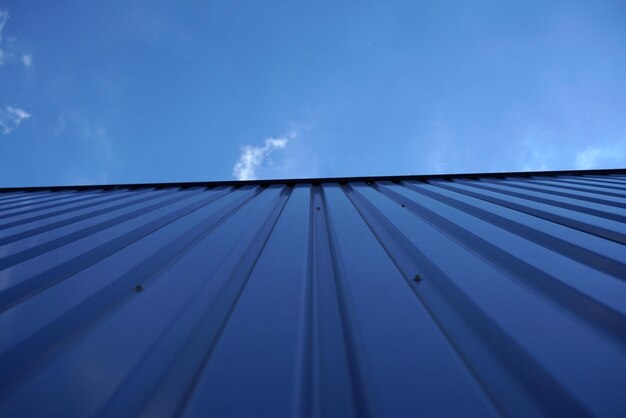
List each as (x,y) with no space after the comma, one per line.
(436,298)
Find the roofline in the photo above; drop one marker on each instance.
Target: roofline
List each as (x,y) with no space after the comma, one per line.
(238,183)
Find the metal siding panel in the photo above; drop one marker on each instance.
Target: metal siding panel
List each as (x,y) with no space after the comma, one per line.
(266,332)
(469,296)
(396,347)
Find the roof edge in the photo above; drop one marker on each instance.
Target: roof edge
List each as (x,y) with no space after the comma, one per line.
(419,177)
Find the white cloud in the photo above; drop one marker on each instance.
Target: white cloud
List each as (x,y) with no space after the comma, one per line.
(8,52)
(252,158)
(606,156)
(27,60)
(11,118)
(536,152)
(4,16)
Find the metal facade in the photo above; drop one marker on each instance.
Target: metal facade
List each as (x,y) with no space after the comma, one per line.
(449,296)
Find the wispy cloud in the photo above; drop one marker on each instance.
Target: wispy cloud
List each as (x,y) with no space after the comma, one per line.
(27,60)
(8,52)
(4,16)
(252,158)
(11,118)
(605,156)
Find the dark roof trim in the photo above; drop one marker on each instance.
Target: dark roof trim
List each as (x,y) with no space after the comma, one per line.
(422,177)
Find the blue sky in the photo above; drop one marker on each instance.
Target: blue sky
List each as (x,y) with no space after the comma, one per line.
(147,91)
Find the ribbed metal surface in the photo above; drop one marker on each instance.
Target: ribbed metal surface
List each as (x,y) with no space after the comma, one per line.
(433,298)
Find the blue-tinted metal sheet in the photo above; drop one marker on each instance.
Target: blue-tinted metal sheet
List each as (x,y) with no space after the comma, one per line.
(437,298)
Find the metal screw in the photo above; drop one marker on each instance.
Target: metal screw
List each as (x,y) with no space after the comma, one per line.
(417,278)
(138,288)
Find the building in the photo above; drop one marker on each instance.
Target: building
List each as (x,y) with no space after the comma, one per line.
(417,296)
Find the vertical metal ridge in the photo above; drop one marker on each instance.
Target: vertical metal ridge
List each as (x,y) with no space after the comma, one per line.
(164,394)
(569,180)
(516,184)
(42,199)
(65,222)
(11,196)
(555,183)
(598,180)
(504,364)
(179,344)
(16,294)
(36,250)
(305,403)
(596,315)
(568,249)
(606,177)
(24,358)
(550,202)
(542,214)
(328,315)
(170,397)
(327,251)
(409,261)
(61,211)
(79,198)
(613,178)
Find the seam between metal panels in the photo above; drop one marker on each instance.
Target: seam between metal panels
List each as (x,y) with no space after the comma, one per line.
(598,181)
(37,250)
(121,403)
(69,221)
(16,294)
(557,183)
(388,236)
(59,212)
(226,302)
(17,195)
(48,197)
(582,182)
(65,199)
(574,252)
(502,347)
(542,214)
(305,403)
(195,345)
(591,312)
(514,183)
(57,201)
(24,358)
(576,208)
(607,177)
(324,233)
